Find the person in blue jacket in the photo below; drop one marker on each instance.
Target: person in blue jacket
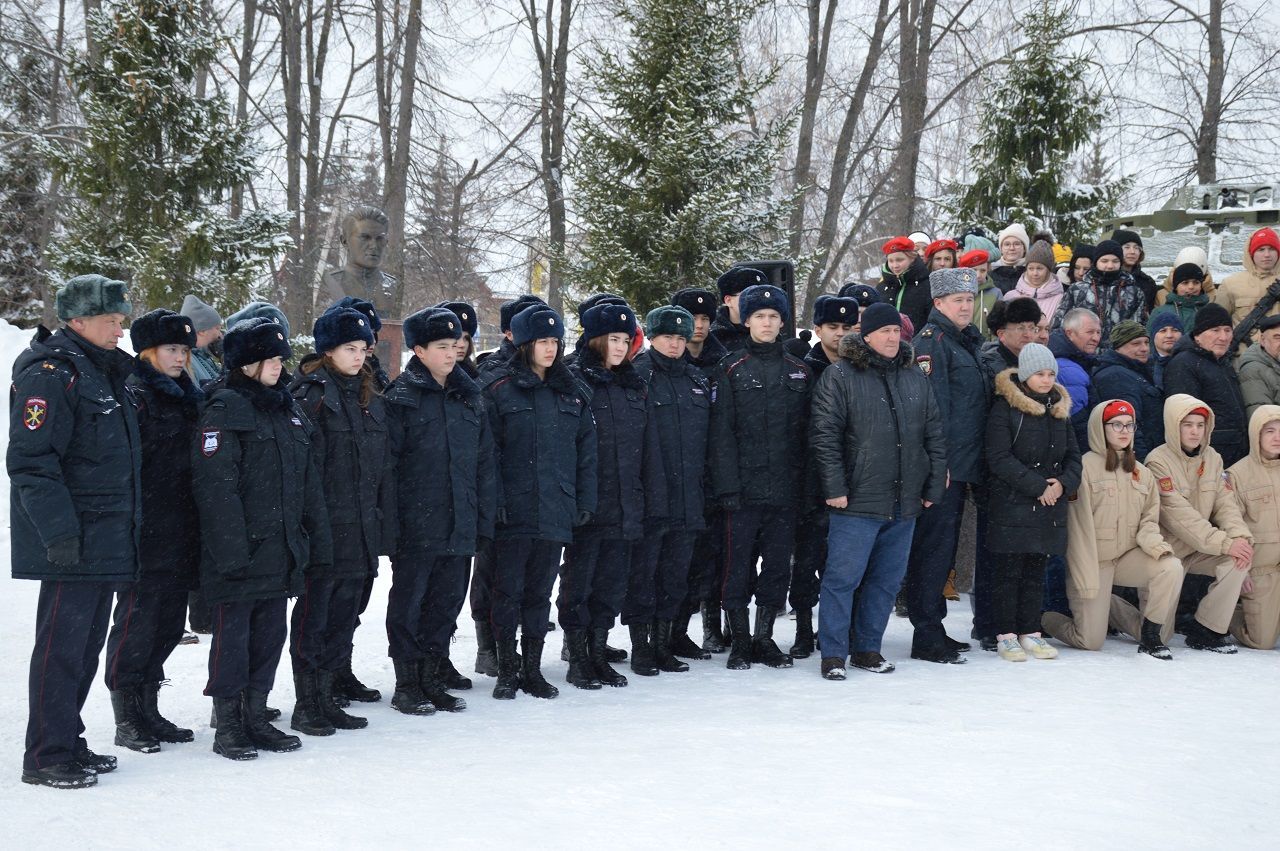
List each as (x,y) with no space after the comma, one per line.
(545,445)
(1124,372)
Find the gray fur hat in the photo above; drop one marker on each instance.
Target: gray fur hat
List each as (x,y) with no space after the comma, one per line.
(944,282)
(92,295)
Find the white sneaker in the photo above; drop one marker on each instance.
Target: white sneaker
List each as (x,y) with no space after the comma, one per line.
(1008,648)
(1038,647)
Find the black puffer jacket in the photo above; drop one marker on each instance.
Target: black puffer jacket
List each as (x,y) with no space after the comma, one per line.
(1029,441)
(877,434)
(680,411)
(1119,377)
(759,423)
(74,460)
(545,445)
(445,482)
(733,337)
(628,455)
(353,454)
(1195,371)
(909,292)
(713,351)
(493,361)
(996,358)
(167,409)
(817,360)
(263,522)
(948,356)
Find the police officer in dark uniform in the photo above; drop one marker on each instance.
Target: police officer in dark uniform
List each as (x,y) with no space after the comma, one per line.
(947,351)
(74,465)
(703,351)
(727,326)
(445,501)
(759,441)
(833,318)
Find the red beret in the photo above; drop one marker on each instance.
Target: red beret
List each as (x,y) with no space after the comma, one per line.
(976,257)
(898,243)
(940,245)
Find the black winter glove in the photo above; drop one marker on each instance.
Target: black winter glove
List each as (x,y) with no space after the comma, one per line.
(65,553)
(584,517)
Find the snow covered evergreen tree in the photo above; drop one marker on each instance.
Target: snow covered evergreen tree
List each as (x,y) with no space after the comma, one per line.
(671,184)
(1033,121)
(25,87)
(155,162)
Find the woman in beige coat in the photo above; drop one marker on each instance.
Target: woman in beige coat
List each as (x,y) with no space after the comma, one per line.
(1200,518)
(1255,481)
(1113,538)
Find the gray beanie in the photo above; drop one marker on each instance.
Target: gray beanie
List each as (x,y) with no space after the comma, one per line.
(1041,252)
(943,282)
(202,316)
(1033,358)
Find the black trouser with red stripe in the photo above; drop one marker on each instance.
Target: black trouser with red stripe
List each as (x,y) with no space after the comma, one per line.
(769,530)
(248,638)
(324,623)
(72,619)
(147,626)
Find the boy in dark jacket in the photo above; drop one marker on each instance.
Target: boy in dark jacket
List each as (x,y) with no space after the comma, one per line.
(444,505)
(759,421)
(728,326)
(1124,372)
(1201,367)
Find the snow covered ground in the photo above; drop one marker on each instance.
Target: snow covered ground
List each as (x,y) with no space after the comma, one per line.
(1092,750)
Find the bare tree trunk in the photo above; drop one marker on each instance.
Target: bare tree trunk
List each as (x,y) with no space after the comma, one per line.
(1207,134)
(394,186)
(551,46)
(48,313)
(815,77)
(291,74)
(915,24)
(244,73)
(90,46)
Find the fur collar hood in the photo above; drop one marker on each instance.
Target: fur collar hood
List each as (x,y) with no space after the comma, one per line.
(855,350)
(1007,387)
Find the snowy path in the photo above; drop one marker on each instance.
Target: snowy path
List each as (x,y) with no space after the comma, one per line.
(1125,752)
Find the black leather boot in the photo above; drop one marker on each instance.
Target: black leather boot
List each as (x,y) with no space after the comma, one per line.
(231,740)
(582,674)
(1150,642)
(643,661)
(486,650)
(713,640)
(598,651)
(531,680)
(346,685)
(662,655)
(260,731)
(740,647)
(333,712)
(508,669)
(131,731)
(162,728)
(307,715)
(763,648)
(64,775)
(681,644)
(433,687)
(803,647)
(408,697)
(450,676)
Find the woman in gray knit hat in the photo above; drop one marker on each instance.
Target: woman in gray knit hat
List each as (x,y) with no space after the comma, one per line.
(1033,466)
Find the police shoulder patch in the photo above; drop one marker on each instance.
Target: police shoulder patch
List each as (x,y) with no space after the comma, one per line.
(925,362)
(35,412)
(1166,484)
(210,442)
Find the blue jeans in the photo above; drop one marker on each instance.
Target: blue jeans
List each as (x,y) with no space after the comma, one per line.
(867,553)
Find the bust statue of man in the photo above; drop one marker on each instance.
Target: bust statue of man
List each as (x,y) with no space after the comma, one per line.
(364,235)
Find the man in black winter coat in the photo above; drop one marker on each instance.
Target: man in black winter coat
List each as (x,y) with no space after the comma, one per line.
(947,353)
(727,327)
(759,425)
(833,318)
(1124,372)
(1014,325)
(1201,367)
(74,464)
(879,466)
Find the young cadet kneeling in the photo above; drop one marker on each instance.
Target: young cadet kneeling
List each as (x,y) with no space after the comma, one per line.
(1255,481)
(759,428)
(1113,538)
(445,502)
(1200,517)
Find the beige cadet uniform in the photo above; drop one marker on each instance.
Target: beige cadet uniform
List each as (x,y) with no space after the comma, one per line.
(1198,514)
(1256,485)
(1113,538)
